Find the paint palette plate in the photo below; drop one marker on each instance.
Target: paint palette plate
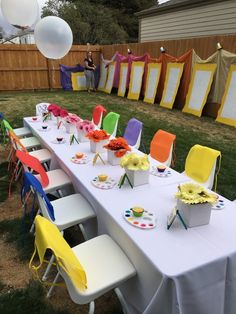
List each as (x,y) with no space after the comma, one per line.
(165,174)
(61,142)
(220,204)
(80,161)
(104,185)
(147,221)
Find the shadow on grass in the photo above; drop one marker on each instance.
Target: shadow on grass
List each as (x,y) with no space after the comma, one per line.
(16,231)
(29,300)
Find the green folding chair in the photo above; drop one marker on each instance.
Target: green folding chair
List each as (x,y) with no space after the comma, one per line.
(110,123)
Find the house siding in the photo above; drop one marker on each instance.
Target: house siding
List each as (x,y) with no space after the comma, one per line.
(212,19)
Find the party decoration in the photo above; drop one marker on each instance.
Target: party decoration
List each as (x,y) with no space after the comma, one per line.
(119,145)
(123,79)
(227,112)
(136,78)
(173,75)
(21,14)
(152,80)
(53,37)
(110,77)
(199,88)
(96,157)
(78,81)
(73,139)
(122,181)
(171,218)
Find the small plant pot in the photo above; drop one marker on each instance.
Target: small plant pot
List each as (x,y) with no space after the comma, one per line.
(70,128)
(112,158)
(81,136)
(138,177)
(196,214)
(97,147)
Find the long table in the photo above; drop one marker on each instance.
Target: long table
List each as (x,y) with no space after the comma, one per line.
(178,271)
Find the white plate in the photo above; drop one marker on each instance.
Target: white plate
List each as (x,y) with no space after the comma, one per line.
(56,141)
(220,204)
(80,161)
(165,174)
(104,185)
(146,221)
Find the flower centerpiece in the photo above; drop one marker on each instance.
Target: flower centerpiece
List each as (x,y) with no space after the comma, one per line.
(70,121)
(194,203)
(136,167)
(83,128)
(116,148)
(98,138)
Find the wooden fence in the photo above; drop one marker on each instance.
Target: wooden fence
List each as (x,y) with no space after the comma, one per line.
(23,67)
(204,46)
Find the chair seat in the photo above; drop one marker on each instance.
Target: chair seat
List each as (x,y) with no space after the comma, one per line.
(22,132)
(71,210)
(57,180)
(106,267)
(43,155)
(30,142)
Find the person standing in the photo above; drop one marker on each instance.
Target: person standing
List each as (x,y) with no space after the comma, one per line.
(89,72)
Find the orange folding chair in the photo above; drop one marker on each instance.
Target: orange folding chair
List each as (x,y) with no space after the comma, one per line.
(98,113)
(162,147)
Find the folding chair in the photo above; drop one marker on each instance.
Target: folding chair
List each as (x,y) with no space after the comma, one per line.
(20,132)
(200,165)
(110,123)
(52,181)
(162,147)
(98,113)
(105,266)
(133,133)
(43,155)
(41,108)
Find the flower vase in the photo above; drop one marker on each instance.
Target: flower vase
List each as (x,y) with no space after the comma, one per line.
(195,214)
(138,177)
(81,136)
(97,147)
(70,128)
(112,158)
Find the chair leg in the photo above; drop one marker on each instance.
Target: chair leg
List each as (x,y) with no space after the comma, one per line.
(52,287)
(91,307)
(32,226)
(45,275)
(83,232)
(122,300)
(59,192)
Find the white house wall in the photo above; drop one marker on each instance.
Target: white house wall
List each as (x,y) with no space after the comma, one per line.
(212,19)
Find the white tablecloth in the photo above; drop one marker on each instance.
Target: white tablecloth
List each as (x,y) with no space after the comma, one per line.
(178,271)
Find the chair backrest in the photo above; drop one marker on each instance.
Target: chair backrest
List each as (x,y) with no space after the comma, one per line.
(16,143)
(200,164)
(110,123)
(45,205)
(48,236)
(7,126)
(41,108)
(161,147)
(133,132)
(33,163)
(98,113)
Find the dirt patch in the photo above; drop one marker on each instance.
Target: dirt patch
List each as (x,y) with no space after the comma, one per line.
(13,273)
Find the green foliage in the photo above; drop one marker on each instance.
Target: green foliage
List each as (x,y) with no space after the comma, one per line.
(99,22)
(29,300)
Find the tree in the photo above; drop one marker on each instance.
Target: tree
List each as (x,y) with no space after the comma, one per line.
(99,21)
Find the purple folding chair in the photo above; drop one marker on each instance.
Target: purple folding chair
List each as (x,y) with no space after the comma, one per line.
(133,133)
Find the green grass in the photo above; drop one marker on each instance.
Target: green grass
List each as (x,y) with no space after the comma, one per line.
(189,129)
(29,300)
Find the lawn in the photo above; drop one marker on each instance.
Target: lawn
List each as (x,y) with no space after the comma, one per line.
(17,292)
(189,130)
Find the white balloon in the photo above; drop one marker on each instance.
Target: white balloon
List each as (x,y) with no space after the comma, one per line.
(20,13)
(53,37)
